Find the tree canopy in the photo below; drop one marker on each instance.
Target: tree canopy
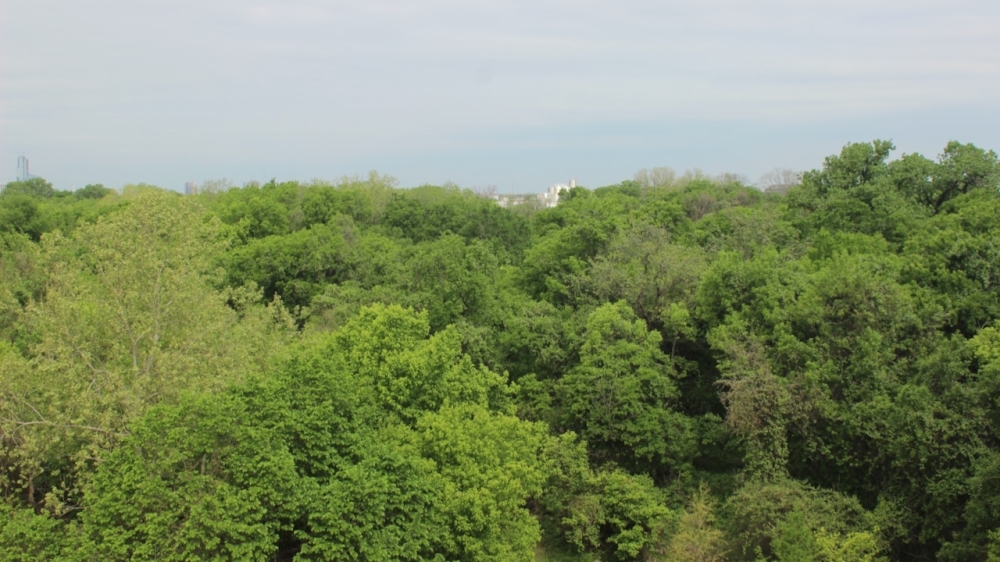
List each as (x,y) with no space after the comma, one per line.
(672,368)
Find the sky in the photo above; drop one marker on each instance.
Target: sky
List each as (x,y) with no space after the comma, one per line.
(512,94)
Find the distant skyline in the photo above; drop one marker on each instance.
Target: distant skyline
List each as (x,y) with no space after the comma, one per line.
(514,94)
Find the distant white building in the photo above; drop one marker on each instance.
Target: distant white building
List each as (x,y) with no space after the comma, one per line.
(190,188)
(551,197)
(548,199)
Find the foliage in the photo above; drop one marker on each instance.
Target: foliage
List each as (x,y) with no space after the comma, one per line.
(619,398)
(26,536)
(667,368)
(783,518)
(129,320)
(618,515)
(34,187)
(697,539)
(196,481)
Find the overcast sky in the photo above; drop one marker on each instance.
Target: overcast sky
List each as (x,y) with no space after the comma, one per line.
(516,94)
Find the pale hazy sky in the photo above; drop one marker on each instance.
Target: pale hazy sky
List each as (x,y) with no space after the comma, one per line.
(516,94)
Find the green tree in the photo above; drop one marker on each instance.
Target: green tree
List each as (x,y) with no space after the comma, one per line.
(697,539)
(621,396)
(195,481)
(34,187)
(410,371)
(388,506)
(24,214)
(568,236)
(294,267)
(795,541)
(26,536)
(618,516)
(129,320)
(961,168)
(854,192)
(93,191)
(321,204)
(493,464)
(782,518)
(643,267)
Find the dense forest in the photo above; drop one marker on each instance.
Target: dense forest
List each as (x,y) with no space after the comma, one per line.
(666,369)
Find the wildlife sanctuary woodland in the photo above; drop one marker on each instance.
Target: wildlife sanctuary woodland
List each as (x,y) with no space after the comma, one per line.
(675,368)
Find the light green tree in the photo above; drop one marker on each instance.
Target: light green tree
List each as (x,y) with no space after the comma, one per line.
(129,319)
(697,539)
